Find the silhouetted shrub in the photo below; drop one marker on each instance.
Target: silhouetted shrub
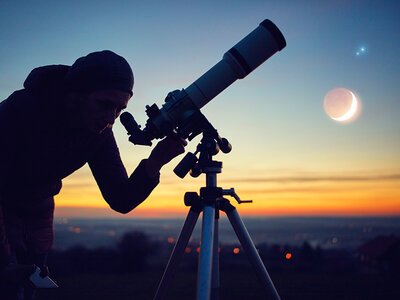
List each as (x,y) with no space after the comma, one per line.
(134,250)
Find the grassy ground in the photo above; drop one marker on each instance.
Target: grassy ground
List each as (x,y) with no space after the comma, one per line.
(235,284)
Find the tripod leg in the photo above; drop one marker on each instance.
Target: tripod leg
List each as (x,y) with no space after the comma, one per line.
(215,267)
(251,251)
(178,252)
(206,254)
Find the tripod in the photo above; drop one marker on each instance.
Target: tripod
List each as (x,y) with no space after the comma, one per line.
(211,202)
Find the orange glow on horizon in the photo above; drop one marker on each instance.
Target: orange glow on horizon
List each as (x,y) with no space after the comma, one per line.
(318,195)
(68,211)
(348,207)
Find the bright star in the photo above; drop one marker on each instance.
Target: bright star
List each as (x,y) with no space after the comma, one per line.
(361,50)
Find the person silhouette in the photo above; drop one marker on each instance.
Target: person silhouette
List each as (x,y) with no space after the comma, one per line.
(61,120)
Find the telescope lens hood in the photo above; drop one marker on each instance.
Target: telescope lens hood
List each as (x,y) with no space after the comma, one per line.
(277,34)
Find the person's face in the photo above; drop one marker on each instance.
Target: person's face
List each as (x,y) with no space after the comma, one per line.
(100,109)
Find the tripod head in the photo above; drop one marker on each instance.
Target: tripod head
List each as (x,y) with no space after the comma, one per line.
(210,145)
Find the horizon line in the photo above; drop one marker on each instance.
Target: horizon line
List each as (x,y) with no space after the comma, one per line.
(89,212)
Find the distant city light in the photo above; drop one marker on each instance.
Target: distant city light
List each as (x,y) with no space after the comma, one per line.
(236,250)
(62,220)
(188,250)
(74,229)
(288,255)
(171,240)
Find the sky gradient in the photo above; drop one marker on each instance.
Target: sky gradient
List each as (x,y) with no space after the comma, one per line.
(288,156)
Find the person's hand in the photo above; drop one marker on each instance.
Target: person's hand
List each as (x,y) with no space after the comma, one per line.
(17,274)
(164,152)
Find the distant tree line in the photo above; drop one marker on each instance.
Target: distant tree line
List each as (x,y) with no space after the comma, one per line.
(136,252)
(131,254)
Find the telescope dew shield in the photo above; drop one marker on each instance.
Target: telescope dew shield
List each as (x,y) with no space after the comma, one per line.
(238,62)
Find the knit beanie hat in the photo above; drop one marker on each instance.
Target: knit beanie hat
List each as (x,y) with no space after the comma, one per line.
(101,70)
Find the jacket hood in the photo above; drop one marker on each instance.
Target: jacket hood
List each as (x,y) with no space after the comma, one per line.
(46,80)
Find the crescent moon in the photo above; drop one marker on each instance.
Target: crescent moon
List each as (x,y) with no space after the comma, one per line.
(352,110)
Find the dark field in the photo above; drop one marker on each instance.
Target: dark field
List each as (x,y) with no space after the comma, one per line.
(235,284)
(112,259)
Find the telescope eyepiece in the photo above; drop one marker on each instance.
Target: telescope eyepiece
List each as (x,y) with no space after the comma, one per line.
(137,136)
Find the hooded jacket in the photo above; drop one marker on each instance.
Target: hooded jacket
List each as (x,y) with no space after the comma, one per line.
(38,149)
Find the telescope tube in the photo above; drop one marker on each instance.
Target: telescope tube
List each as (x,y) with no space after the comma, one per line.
(237,63)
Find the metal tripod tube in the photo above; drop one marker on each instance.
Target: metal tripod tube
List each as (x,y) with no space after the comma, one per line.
(178,252)
(207,242)
(252,254)
(206,254)
(215,267)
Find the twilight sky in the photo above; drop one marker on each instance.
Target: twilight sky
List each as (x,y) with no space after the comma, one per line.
(288,155)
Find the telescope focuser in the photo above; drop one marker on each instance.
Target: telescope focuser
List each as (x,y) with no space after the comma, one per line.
(178,115)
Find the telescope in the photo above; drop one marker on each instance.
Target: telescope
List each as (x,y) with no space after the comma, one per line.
(180,113)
